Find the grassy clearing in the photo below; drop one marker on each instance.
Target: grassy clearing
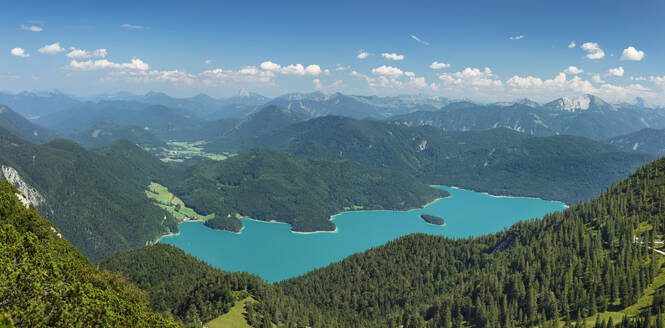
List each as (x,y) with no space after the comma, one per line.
(235,318)
(174,205)
(179,151)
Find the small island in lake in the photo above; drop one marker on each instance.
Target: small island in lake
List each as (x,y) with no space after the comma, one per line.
(431,219)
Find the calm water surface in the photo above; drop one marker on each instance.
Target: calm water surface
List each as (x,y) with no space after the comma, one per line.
(273,252)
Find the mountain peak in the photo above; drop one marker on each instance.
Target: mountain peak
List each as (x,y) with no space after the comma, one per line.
(579,103)
(242,93)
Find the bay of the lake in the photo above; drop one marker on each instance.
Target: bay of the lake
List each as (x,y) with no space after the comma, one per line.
(273,252)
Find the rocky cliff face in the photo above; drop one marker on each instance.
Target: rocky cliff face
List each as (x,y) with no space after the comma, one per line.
(32,196)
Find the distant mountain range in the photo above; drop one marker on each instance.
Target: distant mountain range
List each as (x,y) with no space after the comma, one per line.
(586,116)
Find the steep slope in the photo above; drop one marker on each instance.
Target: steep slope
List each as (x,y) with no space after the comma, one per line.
(46,282)
(193,291)
(586,116)
(96,199)
(103,134)
(269,185)
(498,161)
(572,264)
(645,140)
(246,131)
(23,128)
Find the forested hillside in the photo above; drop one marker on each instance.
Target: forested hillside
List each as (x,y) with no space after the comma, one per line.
(192,291)
(46,282)
(96,198)
(566,266)
(498,161)
(269,185)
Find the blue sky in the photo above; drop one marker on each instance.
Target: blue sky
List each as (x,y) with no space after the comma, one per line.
(485,50)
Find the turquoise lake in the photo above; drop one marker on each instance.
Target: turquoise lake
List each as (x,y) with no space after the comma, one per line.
(273,252)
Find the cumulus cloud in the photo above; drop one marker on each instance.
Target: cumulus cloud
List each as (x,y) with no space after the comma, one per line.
(133,27)
(631,53)
(84,54)
(208,61)
(597,79)
(90,65)
(19,52)
(392,56)
(419,40)
(437,65)
(297,69)
(593,50)
(317,84)
(618,71)
(362,54)
(387,71)
(471,77)
(517,37)
(247,74)
(31,28)
(572,44)
(51,49)
(572,70)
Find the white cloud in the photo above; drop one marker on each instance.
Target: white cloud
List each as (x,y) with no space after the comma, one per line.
(51,49)
(517,37)
(340,68)
(392,56)
(419,40)
(297,69)
(573,70)
(597,79)
(593,50)
(317,84)
(9,76)
(631,53)
(19,52)
(32,28)
(247,74)
(471,77)
(572,44)
(90,65)
(133,27)
(618,71)
(387,71)
(437,65)
(362,54)
(84,54)
(638,78)
(208,61)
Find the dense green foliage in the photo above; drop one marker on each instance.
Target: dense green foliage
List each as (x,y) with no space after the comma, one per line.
(46,282)
(96,198)
(269,185)
(224,223)
(646,140)
(568,265)
(194,292)
(498,161)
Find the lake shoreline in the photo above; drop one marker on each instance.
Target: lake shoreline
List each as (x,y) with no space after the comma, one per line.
(276,253)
